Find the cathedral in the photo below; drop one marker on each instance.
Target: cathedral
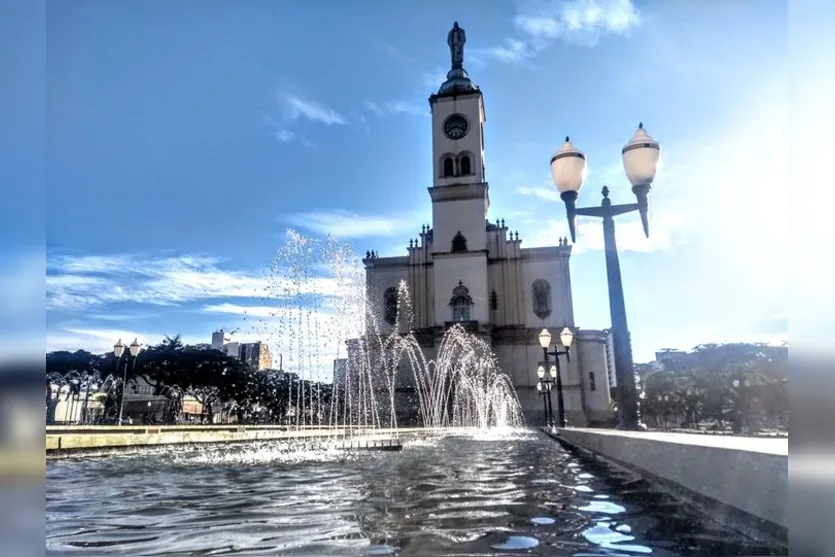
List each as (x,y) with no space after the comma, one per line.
(466,269)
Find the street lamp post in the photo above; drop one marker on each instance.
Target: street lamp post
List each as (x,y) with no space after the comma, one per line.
(568,170)
(86,398)
(566,338)
(663,402)
(740,410)
(544,389)
(118,350)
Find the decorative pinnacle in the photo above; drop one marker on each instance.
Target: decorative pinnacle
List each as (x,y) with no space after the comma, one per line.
(640,125)
(567,139)
(605,191)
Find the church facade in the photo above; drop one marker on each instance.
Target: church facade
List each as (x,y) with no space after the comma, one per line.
(466,269)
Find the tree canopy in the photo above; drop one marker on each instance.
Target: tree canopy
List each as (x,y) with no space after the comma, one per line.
(740,383)
(173,370)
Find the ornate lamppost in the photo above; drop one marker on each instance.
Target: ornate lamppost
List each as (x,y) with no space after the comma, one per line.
(544,389)
(568,170)
(566,338)
(118,350)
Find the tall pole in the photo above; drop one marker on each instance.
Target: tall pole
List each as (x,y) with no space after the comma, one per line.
(122,398)
(86,398)
(624,366)
(640,162)
(560,401)
(545,407)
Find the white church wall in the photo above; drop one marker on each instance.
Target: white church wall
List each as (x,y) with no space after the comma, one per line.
(379,278)
(471,269)
(466,216)
(420,290)
(494,283)
(592,347)
(554,270)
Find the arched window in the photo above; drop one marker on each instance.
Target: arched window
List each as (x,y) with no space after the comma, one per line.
(592,382)
(541,298)
(461,303)
(459,243)
(464,164)
(460,310)
(390,305)
(449,167)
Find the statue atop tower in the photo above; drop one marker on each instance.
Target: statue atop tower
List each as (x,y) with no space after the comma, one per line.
(456,39)
(457,80)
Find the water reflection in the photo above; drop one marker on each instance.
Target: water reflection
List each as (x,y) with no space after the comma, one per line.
(516,543)
(456,495)
(604,507)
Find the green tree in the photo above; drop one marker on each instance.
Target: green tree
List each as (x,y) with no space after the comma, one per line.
(740,383)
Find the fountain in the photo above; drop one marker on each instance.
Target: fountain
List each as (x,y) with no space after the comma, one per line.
(478,489)
(320,313)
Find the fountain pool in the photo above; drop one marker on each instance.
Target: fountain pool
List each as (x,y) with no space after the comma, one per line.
(497,492)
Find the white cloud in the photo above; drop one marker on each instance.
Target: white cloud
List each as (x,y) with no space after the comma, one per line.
(137,279)
(347,224)
(434,79)
(548,194)
(293,108)
(374,108)
(99,341)
(395,107)
(235,309)
(285,136)
(164,281)
(512,51)
(580,21)
(296,107)
(119,316)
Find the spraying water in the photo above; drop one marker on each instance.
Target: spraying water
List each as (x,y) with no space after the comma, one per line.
(320,314)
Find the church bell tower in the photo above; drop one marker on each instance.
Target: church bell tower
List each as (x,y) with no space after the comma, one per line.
(459,192)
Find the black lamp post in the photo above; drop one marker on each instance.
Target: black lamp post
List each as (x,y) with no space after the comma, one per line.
(568,169)
(118,350)
(544,388)
(566,337)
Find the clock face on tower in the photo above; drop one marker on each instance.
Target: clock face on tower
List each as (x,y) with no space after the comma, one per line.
(456,126)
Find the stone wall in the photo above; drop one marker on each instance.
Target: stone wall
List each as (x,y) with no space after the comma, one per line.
(740,482)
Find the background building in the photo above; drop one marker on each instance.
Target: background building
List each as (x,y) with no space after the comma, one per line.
(220,338)
(257,355)
(465,269)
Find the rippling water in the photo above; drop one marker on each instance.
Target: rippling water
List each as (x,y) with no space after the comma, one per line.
(519,493)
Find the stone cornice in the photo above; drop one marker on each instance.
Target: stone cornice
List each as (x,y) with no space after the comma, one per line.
(458,192)
(448,255)
(546,253)
(451,96)
(398,261)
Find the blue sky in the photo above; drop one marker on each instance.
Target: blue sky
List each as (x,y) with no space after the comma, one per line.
(183,138)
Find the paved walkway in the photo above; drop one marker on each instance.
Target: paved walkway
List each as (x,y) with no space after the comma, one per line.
(767,445)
